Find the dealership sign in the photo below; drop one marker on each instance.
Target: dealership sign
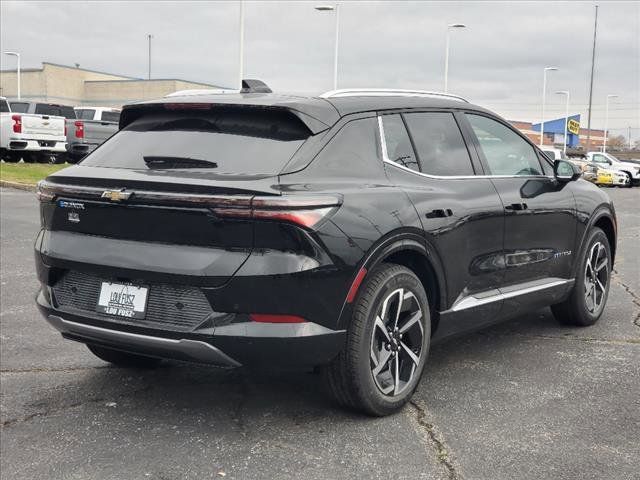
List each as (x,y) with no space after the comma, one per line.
(573,126)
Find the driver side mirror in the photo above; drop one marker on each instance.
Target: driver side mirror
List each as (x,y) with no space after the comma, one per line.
(565,171)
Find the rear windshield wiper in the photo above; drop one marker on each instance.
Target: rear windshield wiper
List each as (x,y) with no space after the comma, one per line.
(158,162)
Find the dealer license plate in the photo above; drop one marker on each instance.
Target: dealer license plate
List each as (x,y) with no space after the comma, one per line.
(122,300)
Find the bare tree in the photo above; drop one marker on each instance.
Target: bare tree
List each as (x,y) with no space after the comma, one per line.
(617,142)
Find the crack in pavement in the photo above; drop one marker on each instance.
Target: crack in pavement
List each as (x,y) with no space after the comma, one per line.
(635,299)
(434,438)
(15,421)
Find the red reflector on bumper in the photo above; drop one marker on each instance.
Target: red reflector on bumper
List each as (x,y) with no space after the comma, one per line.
(356,284)
(256,317)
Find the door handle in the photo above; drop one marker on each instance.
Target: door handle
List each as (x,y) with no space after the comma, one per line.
(440,213)
(517,206)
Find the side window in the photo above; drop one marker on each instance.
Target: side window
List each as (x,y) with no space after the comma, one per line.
(352,152)
(505,151)
(439,144)
(397,142)
(600,158)
(19,107)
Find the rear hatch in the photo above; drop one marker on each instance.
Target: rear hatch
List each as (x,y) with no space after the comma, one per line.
(176,177)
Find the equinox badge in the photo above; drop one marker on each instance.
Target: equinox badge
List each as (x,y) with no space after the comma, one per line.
(116,195)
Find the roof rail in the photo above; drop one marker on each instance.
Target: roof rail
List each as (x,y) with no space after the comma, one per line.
(201,91)
(387,92)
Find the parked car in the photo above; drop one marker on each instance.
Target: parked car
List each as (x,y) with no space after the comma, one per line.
(92,127)
(554,153)
(589,172)
(31,131)
(610,162)
(345,232)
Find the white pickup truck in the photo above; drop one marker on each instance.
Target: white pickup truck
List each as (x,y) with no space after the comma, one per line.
(38,136)
(92,126)
(608,161)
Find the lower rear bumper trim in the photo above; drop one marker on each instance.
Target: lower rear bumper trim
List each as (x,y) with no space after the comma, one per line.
(185,349)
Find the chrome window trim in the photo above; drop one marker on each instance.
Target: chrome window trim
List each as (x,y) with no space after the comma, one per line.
(476,300)
(385,159)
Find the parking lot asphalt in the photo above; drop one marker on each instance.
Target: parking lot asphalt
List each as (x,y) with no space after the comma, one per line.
(527,399)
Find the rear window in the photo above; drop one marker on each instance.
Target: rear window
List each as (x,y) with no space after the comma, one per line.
(4,106)
(85,113)
(228,141)
(111,117)
(55,110)
(19,107)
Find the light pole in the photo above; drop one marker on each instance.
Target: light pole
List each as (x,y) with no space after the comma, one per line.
(331,8)
(149,37)
(17,55)
(606,122)
(241,44)
(566,118)
(544,99)
(446,54)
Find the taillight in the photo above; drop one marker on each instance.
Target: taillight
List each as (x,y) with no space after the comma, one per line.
(17,123)
(79,129)
(44,193)
(303,210)
(65,129)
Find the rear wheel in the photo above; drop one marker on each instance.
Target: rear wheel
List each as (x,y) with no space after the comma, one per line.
(123,359)
(10,157)
(30,157)
(387,343)
(589,296)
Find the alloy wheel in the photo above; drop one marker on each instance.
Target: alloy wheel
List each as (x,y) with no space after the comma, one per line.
(596,276)
(396,342)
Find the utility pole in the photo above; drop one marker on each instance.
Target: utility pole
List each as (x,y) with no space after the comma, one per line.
(241,45)
(593,61)
(629,135)
(149,37)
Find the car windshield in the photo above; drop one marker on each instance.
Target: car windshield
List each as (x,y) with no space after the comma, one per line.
(235,142)
(55,110)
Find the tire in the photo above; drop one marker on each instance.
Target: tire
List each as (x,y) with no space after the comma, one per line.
(29,157)
(10,157)
(123,359)
(587,301)
(352,377)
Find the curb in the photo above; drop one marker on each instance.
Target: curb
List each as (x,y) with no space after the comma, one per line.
(20,186)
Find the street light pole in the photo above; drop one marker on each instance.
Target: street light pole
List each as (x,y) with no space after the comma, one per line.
(446,54)
(606,122)
(149,37)
(544,99)
(330,8)
(566,119)
(241,44)
(17,55)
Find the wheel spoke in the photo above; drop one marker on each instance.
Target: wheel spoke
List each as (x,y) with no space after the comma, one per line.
(385,355)
(414,358)
(602,264)
(411,321)
(396,378)
(599,284)
(382,328)
(399,308)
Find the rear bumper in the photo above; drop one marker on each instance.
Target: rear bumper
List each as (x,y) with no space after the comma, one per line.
(80,149)
(27,145)
(232,345)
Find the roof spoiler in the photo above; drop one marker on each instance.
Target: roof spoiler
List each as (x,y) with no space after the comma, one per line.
(254,86)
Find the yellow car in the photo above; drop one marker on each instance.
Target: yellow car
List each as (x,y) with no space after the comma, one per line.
(604,177)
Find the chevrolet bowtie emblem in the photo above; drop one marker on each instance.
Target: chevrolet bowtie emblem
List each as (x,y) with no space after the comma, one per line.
(116,195)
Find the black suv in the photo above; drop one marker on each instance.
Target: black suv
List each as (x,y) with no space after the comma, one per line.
(345,232)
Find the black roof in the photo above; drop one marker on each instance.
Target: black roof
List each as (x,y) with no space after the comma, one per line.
(316,112)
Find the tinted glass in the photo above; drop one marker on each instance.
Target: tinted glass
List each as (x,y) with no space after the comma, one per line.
(55,110)
(600,159)
(506,152)
(111,117)
(19,107)
(352,152)
(4,106)
(85,113)
(439,144)
(399,149)
(230,142)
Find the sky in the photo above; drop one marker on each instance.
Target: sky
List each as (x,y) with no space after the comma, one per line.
(497,61)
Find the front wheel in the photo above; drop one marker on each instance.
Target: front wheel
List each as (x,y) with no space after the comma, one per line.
(387,343)
(591,289)
(123,359)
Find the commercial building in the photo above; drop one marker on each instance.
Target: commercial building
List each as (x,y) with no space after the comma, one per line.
(554,132)
(68,85)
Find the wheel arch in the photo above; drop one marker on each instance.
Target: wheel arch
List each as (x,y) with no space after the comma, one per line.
(604,219)
(412,251)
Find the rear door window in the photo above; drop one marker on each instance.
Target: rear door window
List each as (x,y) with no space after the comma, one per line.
(398,145)
(240,141)
(4,106)
(440,147)
(505,152)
